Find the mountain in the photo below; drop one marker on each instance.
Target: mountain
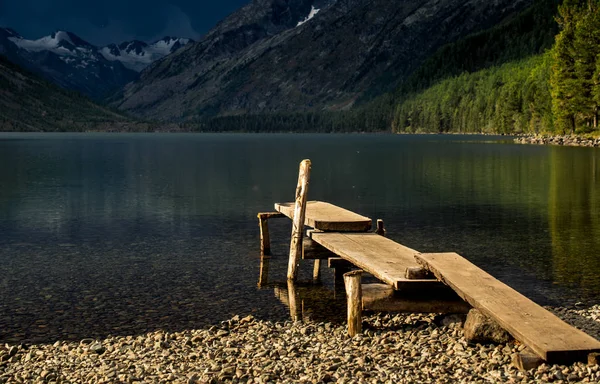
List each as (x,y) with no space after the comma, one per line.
(137,55)
(67,60)
(29,103)
(305,55)
(72,63)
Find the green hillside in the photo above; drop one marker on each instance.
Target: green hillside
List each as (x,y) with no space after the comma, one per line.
(28,103)
(557,91)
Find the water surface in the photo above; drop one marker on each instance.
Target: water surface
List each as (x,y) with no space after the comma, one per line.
(122,234)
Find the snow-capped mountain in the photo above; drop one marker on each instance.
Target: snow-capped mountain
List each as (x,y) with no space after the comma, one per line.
(137,55)
(71,62)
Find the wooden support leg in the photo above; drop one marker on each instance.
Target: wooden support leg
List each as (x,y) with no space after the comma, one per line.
(298,222)
(265,241)
(317,270)
(380,229)
(263,277)
(292,301)
(354,297)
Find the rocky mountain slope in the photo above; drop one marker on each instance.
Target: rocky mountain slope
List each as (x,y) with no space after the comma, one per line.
(72,63)
(29,103)
(285,55)
(137,55)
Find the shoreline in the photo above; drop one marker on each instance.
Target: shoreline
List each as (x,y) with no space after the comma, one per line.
(564,140)
(402,348)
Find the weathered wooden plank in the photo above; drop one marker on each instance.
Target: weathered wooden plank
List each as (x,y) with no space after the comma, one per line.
(383,297)
(269,215)
(378,255)
(298,219)
(549,337)
(328,217)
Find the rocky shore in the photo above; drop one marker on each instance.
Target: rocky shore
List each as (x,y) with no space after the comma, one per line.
(567,140)
(392,349)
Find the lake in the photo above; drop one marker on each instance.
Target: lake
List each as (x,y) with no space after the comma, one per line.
(126,233)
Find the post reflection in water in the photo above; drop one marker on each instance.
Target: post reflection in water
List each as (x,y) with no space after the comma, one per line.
(306,300)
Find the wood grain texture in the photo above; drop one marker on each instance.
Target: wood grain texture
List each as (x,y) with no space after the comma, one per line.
(328,217)
(545,334)
(377,255)
(265,240)
(354,298)
(298,219)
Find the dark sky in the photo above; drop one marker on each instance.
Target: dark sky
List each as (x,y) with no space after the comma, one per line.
(108,21)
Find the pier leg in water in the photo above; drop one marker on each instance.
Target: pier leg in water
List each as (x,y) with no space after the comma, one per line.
(317,270)
(263,277)
(298,221)
(265,241)
(292,301)
(380,229)
(354,297)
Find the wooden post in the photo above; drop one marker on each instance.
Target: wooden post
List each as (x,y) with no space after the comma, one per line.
(265,241)
(354,297)
(263,277)
(292,301)
(380,229)
(317,270)
(298,222)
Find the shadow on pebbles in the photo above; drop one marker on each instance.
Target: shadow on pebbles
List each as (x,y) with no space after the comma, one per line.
(392,349)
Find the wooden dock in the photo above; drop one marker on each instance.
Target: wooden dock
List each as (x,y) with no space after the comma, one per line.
(406,271)
(548,336)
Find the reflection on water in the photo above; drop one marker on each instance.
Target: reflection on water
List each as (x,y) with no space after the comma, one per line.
(574,214)
(124,234)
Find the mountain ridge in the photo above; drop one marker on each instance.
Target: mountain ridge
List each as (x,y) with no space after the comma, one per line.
(72,63)
(260,60)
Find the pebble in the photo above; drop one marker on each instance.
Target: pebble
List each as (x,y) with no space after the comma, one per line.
(393,348)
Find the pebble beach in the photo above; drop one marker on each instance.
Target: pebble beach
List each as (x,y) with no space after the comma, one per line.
(393,348)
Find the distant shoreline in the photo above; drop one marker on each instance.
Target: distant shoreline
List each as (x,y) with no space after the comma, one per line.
(564,140)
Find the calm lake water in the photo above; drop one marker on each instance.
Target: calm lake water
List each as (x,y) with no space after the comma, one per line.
(121,234)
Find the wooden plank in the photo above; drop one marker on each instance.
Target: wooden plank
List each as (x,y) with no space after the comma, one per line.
(377,255)
(328,217)
(269,215)
(382,297)
(551,338)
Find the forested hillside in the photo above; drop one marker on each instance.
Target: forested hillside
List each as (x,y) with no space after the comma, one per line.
(557,91)
(29,103)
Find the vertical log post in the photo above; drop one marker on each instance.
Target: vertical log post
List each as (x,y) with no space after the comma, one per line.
(298,222)
(380,229)
(317,270)
(293,303)
(265,241)
(263,277)
(354,297)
